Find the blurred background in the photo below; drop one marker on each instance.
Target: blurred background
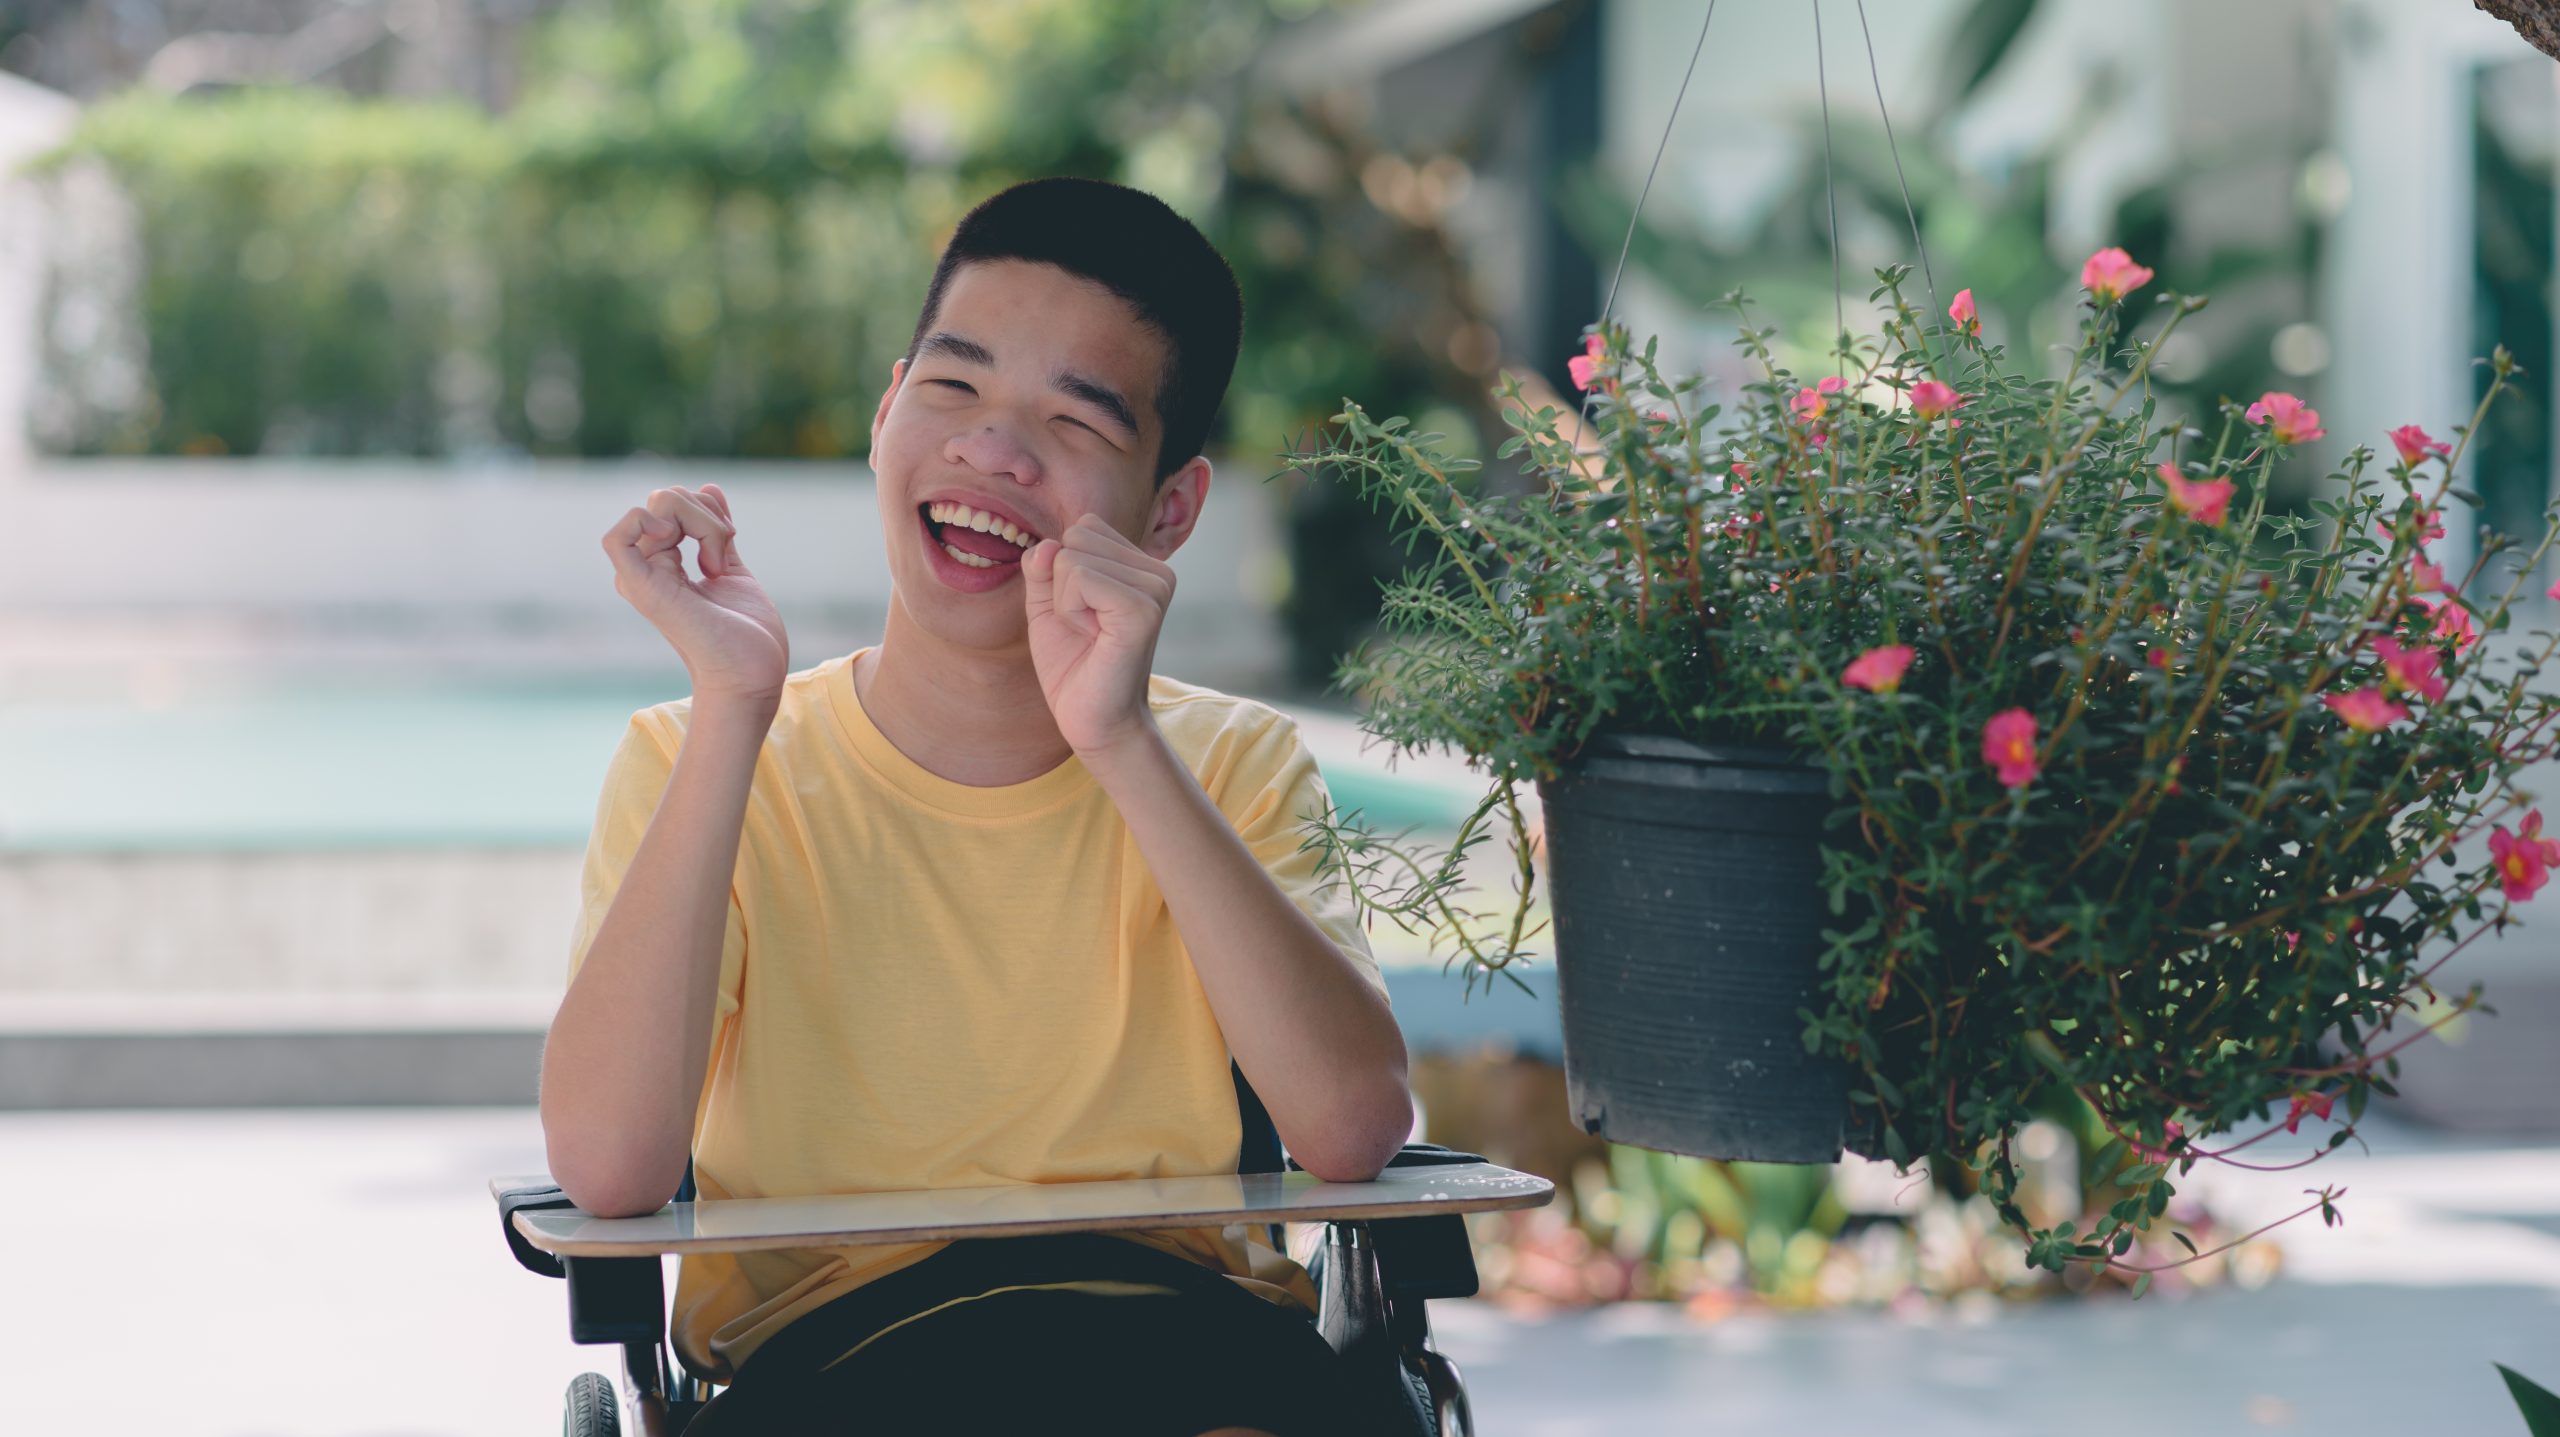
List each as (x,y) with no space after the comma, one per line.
(332,335)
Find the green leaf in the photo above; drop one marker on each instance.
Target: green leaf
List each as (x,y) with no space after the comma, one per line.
(2142,1285)
(2540,1408)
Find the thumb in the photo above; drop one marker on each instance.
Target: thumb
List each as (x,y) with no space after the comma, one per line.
(1039,566)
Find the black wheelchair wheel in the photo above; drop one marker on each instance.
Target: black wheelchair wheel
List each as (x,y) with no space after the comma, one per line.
(591,1411)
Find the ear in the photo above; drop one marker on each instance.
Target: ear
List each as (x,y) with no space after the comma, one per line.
(880,416)
(1175,511)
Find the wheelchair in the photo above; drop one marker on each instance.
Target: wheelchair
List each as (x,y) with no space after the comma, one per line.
(1380,1262)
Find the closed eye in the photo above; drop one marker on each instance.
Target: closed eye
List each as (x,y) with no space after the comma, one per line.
(1071,419)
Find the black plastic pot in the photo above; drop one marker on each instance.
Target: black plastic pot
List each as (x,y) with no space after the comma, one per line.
(1688,909)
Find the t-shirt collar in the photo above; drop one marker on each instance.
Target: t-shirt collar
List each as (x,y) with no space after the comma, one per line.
(892,766)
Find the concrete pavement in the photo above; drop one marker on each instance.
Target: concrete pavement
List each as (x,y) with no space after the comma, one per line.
(338,1273)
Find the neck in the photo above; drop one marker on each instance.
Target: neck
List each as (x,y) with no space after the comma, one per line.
(973,716)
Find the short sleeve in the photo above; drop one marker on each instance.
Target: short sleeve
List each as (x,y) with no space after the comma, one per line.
(1271,787)
(634,780)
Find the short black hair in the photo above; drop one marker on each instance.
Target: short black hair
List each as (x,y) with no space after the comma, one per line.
(1135,246)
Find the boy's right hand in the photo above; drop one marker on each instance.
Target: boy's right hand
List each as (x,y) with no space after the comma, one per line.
(722,625)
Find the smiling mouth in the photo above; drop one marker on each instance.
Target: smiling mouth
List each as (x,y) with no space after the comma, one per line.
(1007,552)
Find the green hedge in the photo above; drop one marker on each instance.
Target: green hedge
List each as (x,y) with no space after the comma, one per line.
(329,275)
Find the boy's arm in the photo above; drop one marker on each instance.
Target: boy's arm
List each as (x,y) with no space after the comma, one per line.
(1316,1040)
(617,1114)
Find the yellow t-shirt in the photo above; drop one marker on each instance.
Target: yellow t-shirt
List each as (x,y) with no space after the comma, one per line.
(927,984)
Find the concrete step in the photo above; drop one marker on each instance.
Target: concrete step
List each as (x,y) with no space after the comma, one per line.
(232,1050)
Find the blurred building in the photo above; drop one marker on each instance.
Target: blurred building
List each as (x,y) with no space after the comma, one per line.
(371,47)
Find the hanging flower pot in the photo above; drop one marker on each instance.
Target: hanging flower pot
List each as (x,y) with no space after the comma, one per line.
(1688,921)
(1925,744)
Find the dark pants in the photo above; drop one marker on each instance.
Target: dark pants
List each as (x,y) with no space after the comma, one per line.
(1185,1351)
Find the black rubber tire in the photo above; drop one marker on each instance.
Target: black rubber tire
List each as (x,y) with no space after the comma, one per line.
(591,1409)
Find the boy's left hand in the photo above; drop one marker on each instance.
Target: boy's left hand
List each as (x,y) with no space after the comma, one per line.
(1096,603)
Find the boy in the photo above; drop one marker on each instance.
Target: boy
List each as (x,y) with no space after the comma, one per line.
(988,902)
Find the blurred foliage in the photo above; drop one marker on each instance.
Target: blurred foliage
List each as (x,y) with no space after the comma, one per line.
(705,231)
(1631,1224)
(1990,233)
(706,228)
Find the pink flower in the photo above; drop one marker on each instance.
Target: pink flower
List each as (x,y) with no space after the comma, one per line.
(1962,312)
(2160,1154)
(2158,658)
(2365,710)
(2554,591)
(2427,577)
(2433,519)
(2453,622)
(2111,274)
(2009,746)
(1582,365)
(2202,500)
(2413,669)
(2531,832)
(1741,472)
(1878,670)
(2316,1104)
(2414,445)
(2522,865)
(1932,400)
(2289,420)
(1814,403)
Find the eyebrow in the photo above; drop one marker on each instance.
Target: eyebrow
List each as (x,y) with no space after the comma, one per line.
(1091,391)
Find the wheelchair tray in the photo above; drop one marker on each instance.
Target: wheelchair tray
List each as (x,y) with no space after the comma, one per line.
(1016,1209)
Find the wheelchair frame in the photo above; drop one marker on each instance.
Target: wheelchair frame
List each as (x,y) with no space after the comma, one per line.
(1373,1278)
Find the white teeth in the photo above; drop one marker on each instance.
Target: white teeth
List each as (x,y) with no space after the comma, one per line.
(978,519)
(965,557)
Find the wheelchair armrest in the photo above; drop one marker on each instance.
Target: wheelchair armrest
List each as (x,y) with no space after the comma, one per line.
(612,1300)
(1423,1257)
(529,1195)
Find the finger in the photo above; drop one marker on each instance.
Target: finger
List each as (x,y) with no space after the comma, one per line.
(622,541)
(719,501)
(1106,595)
(1069,577)
(1152,578)
(638,535)
(1039,572)
(712,537)
(1092,535)
(708,530)
(638,544)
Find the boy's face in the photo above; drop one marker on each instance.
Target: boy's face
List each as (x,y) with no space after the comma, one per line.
(1032,397)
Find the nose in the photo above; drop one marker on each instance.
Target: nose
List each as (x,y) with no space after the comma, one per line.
(990,450)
